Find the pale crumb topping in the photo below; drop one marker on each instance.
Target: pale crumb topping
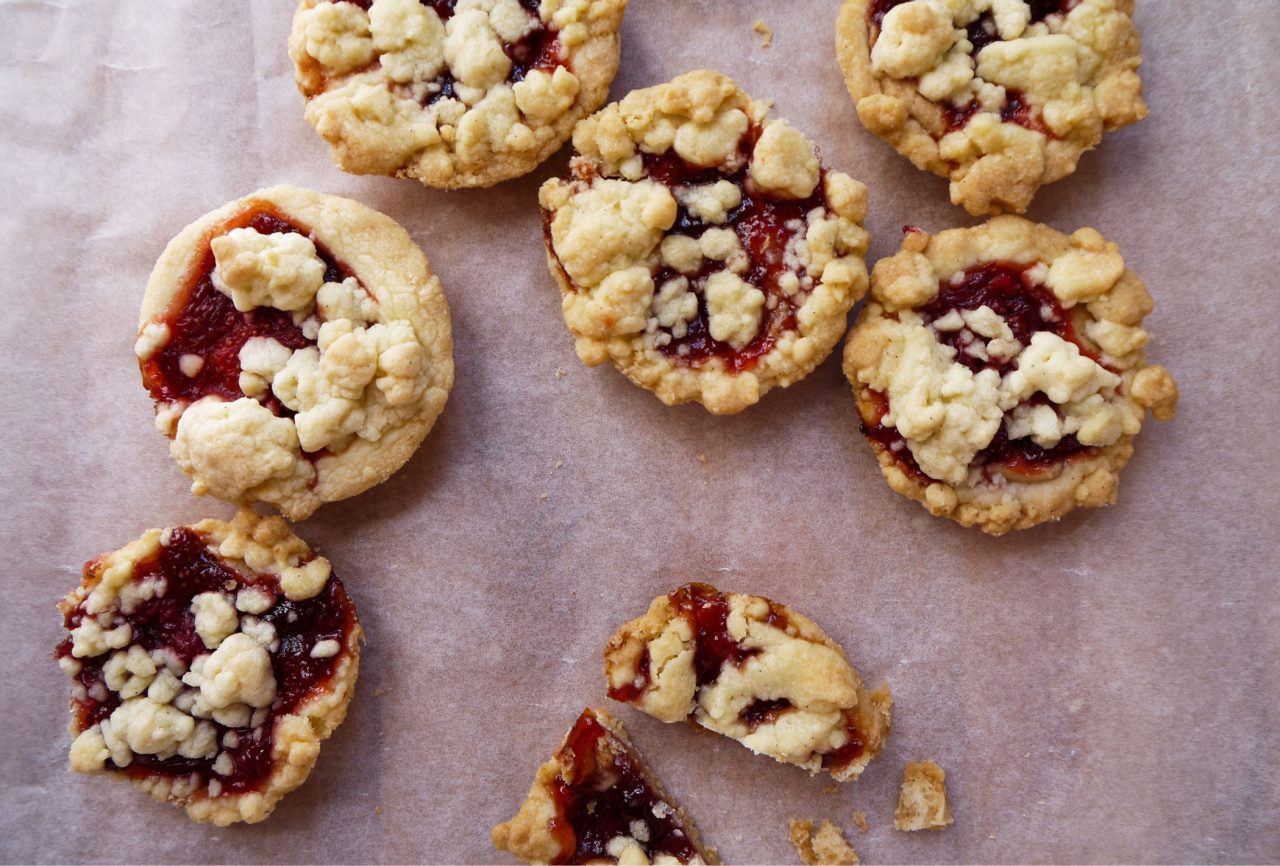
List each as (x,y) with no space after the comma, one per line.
(397,89)
(826,846)
(1008,103)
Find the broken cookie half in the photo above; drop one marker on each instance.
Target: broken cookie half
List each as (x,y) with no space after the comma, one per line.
(753,670)
(595,801)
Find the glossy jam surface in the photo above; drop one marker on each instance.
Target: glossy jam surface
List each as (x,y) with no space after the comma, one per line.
(205,323)
(761,224)
(187,568)
(848,753)
(605,793)
(760,713)
(707,610)
(1027,308)
(1004,288)
(639,684)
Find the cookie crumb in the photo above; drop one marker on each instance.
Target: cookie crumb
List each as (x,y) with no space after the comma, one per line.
(922,803)
(542,496)
(702,458)
(765,31)
(860,818)
(559,464)
(377,810)
(830,789)
(827,846)
(560,373)
(377,693)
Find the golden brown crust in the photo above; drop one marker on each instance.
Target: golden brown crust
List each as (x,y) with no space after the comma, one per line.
(410,308)
(632,282)
(825,846)
(1106,303)
(367,80)
(528,835)
(922,802)
(1076,72)
(651,663)
(252,545)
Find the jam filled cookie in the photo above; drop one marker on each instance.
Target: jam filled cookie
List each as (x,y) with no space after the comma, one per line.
(297,347)
(209,662)
(753,670)
(454,93)
(595,801)
(999,96)
(1000,374)
(702,247)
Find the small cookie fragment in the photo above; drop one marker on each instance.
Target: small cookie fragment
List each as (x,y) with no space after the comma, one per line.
(208,664)
(922,802)
(998,96)
(701,247)
(826,847)
(765,31)
(753,670)
(453,93)
(595,801)
(999,371)
(297,347)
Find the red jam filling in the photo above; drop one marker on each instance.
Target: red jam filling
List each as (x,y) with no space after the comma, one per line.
(1027,308)
(848,753)
(607,793)
(639,684)
(707,610)
(760,223)
(204,322)
(166,622)
(764,712)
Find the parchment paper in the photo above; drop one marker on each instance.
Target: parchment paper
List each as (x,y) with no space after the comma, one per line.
(1099,690)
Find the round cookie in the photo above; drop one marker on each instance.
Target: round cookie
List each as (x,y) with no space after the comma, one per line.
(1000,374)
(454,93)
(999,96)
(701,246)
(297,347)
(208,664)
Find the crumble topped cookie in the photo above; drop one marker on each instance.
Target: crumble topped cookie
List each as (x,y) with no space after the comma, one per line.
(701,246)
(595,801)
(297,347)
(825,846)
(922,802)
(208,663)
(454,93)
(1000,374)
(999,96)
(753,670)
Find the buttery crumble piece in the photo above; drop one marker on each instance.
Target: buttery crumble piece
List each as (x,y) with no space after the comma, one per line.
(765,31)
(453,94)
(999,96)
(595,801)
(860,818)
(208,664)
(701,247)
(282,372)
(922,802)
(826,847)
(753,670)
(999,371)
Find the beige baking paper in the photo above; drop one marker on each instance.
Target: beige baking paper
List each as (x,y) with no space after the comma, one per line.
(1100,690)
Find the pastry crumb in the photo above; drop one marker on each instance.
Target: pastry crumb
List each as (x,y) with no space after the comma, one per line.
(377,693)
(542,496)
(702,458)
(765,31)
(559,464)
(830,789)
(922,803)
(377,810)
(560,373)
(826,846)
(860,818)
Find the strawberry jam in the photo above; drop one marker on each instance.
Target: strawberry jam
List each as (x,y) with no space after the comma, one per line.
(707,610)
(846,754)
(184,568)
(1027,308)
(760,712)
(605,793)
(203,322)
(765,227)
